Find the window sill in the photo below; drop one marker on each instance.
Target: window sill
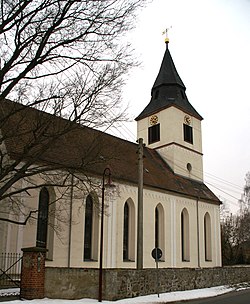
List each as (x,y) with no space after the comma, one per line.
(90,260)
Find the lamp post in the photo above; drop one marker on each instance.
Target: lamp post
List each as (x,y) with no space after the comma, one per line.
(106,173)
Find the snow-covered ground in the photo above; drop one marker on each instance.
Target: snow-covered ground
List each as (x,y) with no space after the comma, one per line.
(163,298)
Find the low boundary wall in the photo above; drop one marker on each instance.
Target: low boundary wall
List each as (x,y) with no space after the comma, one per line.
(76,283)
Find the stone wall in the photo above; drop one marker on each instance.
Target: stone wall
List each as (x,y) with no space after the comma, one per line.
(71,283)
(76,283)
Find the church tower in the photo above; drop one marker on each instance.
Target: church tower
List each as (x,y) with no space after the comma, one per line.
(170,124)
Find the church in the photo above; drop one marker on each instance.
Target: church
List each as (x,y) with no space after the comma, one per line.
(179,213)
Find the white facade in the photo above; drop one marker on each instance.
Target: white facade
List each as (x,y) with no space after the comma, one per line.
(66,246)
(171,146)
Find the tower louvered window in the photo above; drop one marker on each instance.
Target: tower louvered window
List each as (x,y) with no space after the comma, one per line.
(154,134)
(188,133)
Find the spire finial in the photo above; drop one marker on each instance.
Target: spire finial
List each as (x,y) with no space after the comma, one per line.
(166,33)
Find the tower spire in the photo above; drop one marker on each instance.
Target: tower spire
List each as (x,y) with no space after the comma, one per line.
(168,89)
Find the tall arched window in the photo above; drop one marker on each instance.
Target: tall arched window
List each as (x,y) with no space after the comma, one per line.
(88,228)
(156,227)
(207,237)
(51,225)
(91,225)
(42,221)
(159,229)
(129,231)
(125,231)
(185,242)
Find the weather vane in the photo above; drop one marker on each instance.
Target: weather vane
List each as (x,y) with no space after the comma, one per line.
(166,33)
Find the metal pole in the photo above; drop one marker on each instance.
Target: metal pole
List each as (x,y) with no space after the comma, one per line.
(106,171)
(157,272)
(139,261)
(157,275)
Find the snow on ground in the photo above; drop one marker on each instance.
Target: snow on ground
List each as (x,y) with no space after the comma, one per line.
(9,291)
(163,298)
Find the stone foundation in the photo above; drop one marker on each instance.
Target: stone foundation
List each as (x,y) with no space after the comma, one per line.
(76,283)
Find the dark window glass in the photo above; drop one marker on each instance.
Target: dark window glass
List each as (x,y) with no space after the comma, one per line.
(185,254)
(126,232)
(188,133)
(156,228)
(154,134)
(88,228)
(42,221)
(182,238)
(207,237)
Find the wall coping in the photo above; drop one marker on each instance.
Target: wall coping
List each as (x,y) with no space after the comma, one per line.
(34,249)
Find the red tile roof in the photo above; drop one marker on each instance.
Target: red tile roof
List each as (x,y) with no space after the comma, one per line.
(32,134)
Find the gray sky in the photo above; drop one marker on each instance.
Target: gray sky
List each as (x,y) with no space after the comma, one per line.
(210,45)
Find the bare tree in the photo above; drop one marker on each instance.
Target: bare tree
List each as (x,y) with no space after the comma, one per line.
(228,240)
(244,202)
(68,58)
(236,231)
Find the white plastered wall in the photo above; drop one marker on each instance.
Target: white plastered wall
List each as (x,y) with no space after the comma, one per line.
(172,206)
(172,146)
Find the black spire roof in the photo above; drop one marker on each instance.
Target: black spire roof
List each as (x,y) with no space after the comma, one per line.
(168,90)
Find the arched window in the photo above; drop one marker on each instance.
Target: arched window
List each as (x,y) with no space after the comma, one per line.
(125,231)
(159,229)
(207,237)
(185,242)
(91,225)
(88,228)
(51,226)
(42,221)
(129,231)
(156,227)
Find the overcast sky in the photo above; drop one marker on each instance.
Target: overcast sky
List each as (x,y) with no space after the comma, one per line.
(210,46)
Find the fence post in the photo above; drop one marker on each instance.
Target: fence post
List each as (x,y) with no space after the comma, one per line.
(33,273)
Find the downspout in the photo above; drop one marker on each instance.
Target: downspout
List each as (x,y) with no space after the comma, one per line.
(139,259)
(198,232)
(70,219)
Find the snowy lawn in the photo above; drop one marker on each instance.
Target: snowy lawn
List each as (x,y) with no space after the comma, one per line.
(163,298)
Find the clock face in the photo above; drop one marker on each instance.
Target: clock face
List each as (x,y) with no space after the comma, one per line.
(187,119)
(153,120)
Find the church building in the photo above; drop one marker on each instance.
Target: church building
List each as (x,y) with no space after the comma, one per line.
(180,214)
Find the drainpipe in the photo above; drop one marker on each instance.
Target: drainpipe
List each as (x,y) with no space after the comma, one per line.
(198,232)
(70,219)
(139,260)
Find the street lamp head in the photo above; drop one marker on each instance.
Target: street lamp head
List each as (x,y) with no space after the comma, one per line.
(110,183)
(107,173)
